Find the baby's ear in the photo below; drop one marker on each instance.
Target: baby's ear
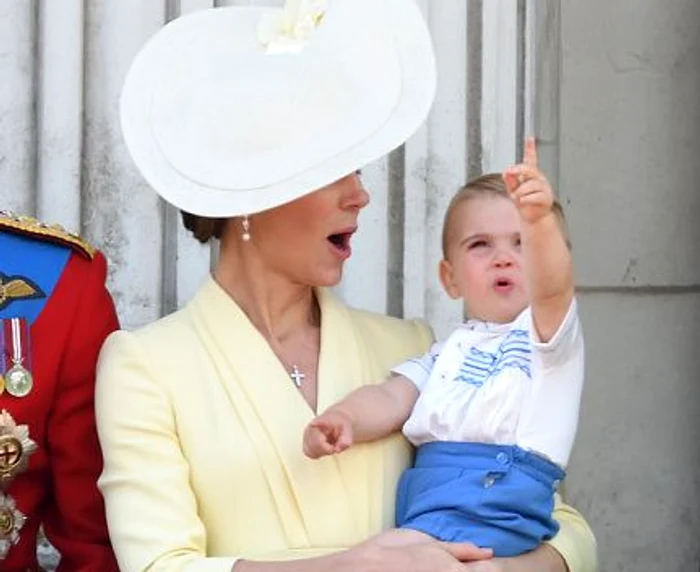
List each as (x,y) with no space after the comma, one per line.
(447,278)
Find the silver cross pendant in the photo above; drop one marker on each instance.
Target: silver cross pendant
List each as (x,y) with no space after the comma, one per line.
(297,376)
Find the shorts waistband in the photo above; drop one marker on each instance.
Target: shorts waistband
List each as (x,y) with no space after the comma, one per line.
(487,456)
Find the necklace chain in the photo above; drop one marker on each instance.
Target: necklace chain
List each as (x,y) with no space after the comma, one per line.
(296,375)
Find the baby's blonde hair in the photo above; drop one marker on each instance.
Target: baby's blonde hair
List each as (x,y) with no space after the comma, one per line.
(488,185)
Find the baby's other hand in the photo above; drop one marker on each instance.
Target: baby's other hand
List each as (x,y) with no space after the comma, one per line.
(328,434)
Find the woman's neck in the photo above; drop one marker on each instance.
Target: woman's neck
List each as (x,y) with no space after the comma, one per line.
(276,306)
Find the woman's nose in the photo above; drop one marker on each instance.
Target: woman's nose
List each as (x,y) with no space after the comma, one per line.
(355,196)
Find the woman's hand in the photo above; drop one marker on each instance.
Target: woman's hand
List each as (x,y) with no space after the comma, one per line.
(543,559)
(493,565)
(423,556)
(429,556)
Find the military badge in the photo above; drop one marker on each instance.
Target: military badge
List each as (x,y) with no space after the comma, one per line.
(15,359)
(17,288)
(11,522)
(15,449)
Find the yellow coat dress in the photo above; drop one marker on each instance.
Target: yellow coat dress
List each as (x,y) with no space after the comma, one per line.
(201,430)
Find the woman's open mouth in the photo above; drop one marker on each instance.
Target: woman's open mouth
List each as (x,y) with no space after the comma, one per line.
(340,244)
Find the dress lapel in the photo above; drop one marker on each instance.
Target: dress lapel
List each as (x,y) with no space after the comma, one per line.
(274,414)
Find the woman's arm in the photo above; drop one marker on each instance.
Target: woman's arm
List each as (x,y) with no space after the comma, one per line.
(543,559)
(430,556)
(575,541)
(151,508)
(572,550)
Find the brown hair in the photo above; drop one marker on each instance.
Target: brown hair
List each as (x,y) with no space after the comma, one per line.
(489,185)
(203,228)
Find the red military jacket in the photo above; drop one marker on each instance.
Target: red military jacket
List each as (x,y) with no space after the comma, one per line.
(55,313)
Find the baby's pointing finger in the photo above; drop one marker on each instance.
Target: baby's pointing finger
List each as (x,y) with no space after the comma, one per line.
(530,152)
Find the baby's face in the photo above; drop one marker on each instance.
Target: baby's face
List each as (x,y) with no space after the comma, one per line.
(485,263)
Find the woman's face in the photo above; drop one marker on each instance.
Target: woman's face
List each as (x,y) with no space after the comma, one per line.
(308,240)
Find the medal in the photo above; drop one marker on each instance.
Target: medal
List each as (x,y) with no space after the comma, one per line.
(15,448)
(18,379)
(2,356)
(11,522)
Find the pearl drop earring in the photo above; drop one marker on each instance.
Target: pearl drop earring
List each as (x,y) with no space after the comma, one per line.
(246,229)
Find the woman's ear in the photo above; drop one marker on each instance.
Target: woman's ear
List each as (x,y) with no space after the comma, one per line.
(447,278)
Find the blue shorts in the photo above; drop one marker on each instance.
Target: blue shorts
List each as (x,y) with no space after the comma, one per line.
(495,496)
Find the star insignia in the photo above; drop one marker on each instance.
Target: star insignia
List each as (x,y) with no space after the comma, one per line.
(15,448)
(11,522)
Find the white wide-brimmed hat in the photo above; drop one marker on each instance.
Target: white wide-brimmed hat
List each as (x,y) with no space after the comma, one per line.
(231,111)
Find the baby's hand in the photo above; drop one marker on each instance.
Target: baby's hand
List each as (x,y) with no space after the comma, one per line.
(528,187)
(328,434)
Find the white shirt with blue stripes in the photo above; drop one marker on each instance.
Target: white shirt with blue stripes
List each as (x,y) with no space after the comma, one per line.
(497,383)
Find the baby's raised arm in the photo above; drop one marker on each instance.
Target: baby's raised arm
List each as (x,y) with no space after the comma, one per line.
(545,250)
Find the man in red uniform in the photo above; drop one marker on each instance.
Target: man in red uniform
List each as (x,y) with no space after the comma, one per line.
(54,315)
